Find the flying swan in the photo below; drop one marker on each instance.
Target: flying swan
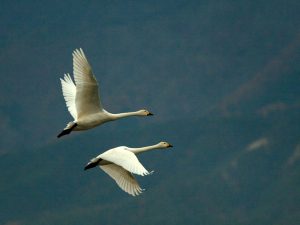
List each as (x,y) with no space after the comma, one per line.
(120,162)
(82,99)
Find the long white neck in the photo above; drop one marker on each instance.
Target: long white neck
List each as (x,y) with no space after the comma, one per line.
(144,149)
(116,116)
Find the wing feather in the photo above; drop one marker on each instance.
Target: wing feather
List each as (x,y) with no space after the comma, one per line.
(125,159)
(87,92)
(69,93)
(123,178)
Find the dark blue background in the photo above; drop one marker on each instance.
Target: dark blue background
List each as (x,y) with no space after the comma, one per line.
(221,77)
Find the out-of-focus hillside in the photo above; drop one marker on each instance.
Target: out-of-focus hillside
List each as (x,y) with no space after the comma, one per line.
(178,59)
(233,170)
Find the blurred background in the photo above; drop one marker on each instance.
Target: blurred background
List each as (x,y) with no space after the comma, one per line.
(221,77)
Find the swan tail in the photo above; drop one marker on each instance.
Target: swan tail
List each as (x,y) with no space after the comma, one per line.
(67,130)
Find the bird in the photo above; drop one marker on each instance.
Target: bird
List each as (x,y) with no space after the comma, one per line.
(121,163)
(83,100)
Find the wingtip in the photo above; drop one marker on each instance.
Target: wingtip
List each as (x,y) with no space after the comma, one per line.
(76,51)
(82,52)
(137,192)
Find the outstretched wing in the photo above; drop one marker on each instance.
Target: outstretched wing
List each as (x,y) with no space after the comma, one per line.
(69,93)
(87,95)
(123,178)
(124,158)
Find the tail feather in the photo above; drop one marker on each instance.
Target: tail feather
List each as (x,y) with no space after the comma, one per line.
(67,130)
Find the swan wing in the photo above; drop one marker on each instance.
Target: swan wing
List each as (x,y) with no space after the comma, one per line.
(69,93)
(87,94)
(123,178)
(126,159)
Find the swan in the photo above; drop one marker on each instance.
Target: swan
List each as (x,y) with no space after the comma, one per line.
(120,162)
(82,99)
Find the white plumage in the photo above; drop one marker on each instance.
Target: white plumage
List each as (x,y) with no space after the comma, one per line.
(82,99)
(120,162)
(69,93)
(87,97)
(123,157)
(123,178)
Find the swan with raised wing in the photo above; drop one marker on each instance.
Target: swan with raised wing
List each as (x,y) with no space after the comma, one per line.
(82,99)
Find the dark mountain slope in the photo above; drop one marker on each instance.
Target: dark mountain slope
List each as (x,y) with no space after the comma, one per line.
(215,174)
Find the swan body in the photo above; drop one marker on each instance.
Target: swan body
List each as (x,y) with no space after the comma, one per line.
(121,162)
(83,100)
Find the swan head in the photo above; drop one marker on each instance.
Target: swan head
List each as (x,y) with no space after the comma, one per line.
(145,112)
(164,144)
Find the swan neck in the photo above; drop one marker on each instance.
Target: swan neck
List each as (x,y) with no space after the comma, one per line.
(144,149)
(122,115)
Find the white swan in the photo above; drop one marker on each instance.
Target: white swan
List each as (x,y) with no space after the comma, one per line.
(82,99)
(120,162)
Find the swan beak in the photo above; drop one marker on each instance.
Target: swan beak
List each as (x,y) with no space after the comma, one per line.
(150,114)
(170,146)
(90,165)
